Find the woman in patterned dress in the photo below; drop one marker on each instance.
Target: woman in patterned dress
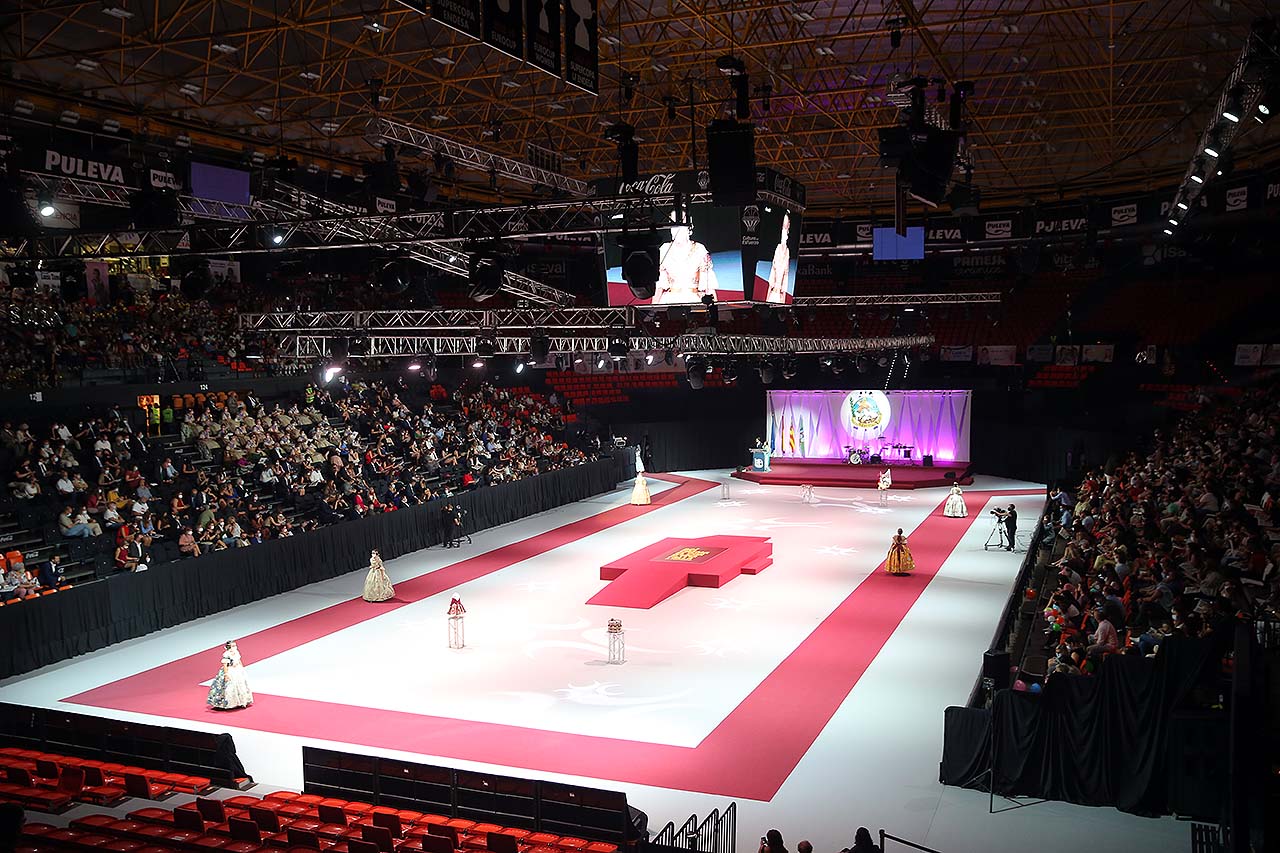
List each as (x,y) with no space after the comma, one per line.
(377,586)
(899,561)
(230,688)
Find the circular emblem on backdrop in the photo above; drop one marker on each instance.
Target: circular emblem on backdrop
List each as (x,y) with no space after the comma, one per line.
(865,412)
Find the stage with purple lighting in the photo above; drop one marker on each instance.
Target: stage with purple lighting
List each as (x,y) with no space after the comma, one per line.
(848,437)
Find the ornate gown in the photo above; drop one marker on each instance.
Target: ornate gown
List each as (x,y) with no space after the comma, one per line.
(899,561)
(640,491)
(377,586)
(954,507)
(230,688)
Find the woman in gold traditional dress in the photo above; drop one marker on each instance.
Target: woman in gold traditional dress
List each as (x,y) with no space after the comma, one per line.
(899,561)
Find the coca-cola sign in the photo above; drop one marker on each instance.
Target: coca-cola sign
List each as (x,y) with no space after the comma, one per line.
(663,183)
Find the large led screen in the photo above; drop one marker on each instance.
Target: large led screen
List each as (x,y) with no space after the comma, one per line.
(777,258)
(697,258)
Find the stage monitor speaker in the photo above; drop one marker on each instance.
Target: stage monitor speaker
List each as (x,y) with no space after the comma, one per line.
(731,162)
(949,476)
(995,665)
(927,460)
(875,459)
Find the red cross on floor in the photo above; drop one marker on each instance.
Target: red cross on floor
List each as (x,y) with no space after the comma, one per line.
(646,577)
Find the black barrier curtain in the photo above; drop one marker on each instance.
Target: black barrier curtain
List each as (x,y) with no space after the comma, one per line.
(1095,741)
(93,616)
(695,444)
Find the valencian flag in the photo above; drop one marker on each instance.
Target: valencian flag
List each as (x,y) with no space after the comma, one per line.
(791,435)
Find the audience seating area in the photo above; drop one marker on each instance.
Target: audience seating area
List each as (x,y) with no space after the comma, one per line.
(53,783)
(1061,376)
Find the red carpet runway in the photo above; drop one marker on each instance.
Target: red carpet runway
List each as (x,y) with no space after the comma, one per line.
(749,754)
(822,472)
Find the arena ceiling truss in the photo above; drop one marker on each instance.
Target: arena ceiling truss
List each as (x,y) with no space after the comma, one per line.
(1070,98)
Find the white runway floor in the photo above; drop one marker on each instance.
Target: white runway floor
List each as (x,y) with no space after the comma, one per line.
(535,659)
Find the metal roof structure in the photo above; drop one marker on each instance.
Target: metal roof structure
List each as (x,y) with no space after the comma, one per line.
(1071,97)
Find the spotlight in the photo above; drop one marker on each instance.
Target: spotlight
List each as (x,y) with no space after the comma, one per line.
(539,348)
(1168,231)
(863,364)
(648,358)
(768,373)
(477,362)
(639,264)
(486,346)
(600,362)
(519,367)
(577,358)
(730,372)
(669,357)
(883,361)
(619,346)
(1234,108)
(1173,222)
(332,372)
(414,366)
(1180,204)
(713,310)
(790,368)
(1213,148)
(276,236)
(1197,171)
(392,278)
(695,370)
(485,272)
(197,281)
(1267,99)
(44,204)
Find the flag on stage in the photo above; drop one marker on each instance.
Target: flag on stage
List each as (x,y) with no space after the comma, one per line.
(791,435)
(802,439)
(773,434)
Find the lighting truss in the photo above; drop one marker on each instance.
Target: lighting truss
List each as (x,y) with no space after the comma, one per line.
(896,299)
(1246,82)
(470,157)
(84,191)
(441,319)
(340,220)
(315,346)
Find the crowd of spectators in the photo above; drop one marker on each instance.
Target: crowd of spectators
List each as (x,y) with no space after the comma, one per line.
(263,471)
(1178,541)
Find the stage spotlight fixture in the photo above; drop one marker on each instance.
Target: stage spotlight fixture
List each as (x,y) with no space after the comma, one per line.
(486,345)
(276,236)
(713,310)
(648,358)
(695,370)
(1213,147)
(600,362)
(1234,107)
(1173,222)
(863,364)
(1180,204)
(768,373)
(883,361)
(825,361)
(1197,171)
(519,367)
(392,277)
(670,103)
(838,366)
(730,372)
(539,348)
(639,263)
(332,372)
(44,204)
(197,281)
(357,345)
(1268,98)
(485,273)
(669,357)
(790,368)
(619,346)
(1168,231)
(477,362)
(414,366)
(577,358)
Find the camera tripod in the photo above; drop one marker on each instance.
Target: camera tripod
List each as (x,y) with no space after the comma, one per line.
(996,538)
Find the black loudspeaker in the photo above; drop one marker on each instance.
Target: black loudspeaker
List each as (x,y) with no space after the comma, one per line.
(949,476)
(731,162)
(875,459)
(927,460)
(995,665)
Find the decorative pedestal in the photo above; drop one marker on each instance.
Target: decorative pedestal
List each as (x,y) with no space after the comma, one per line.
(724,492)
(618,647)
(884,497)
(806,494)
(457,632)
(617,642)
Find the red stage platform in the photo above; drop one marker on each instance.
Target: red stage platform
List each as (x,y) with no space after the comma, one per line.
(646,577)
(831,472)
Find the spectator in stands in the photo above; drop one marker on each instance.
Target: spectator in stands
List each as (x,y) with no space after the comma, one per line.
(73,527)
(50,574)
(771,842)
(16,582)
(862,843)
(187,545)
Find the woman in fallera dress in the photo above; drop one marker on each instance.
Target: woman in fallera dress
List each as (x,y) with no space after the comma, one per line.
(230,688)
(954,507)
(377,586)
(640,491)
(899,561)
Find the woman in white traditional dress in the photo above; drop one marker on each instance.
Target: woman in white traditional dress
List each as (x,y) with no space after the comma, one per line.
(640,491)
(954,507)
(230,688)
(377,586)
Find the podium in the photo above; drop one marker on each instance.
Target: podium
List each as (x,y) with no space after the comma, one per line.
(759,459)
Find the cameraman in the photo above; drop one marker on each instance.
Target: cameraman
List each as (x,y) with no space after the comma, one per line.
(452,525)
(1009,518)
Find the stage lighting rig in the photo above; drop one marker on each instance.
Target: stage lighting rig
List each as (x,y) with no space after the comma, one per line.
(623,136)
(619,344)
(539,347)
(695,370)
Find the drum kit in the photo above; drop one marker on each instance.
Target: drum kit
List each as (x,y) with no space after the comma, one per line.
(900,454)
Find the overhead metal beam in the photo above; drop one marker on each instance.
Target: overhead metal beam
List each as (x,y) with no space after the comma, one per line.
(470,157)
(892,299)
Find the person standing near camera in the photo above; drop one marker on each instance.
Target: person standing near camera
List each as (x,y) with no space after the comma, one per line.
(1010,519)
(452,525)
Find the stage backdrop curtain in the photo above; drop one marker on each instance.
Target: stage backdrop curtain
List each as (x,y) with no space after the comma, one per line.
(1096,741)
(122,607)
(821,424)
